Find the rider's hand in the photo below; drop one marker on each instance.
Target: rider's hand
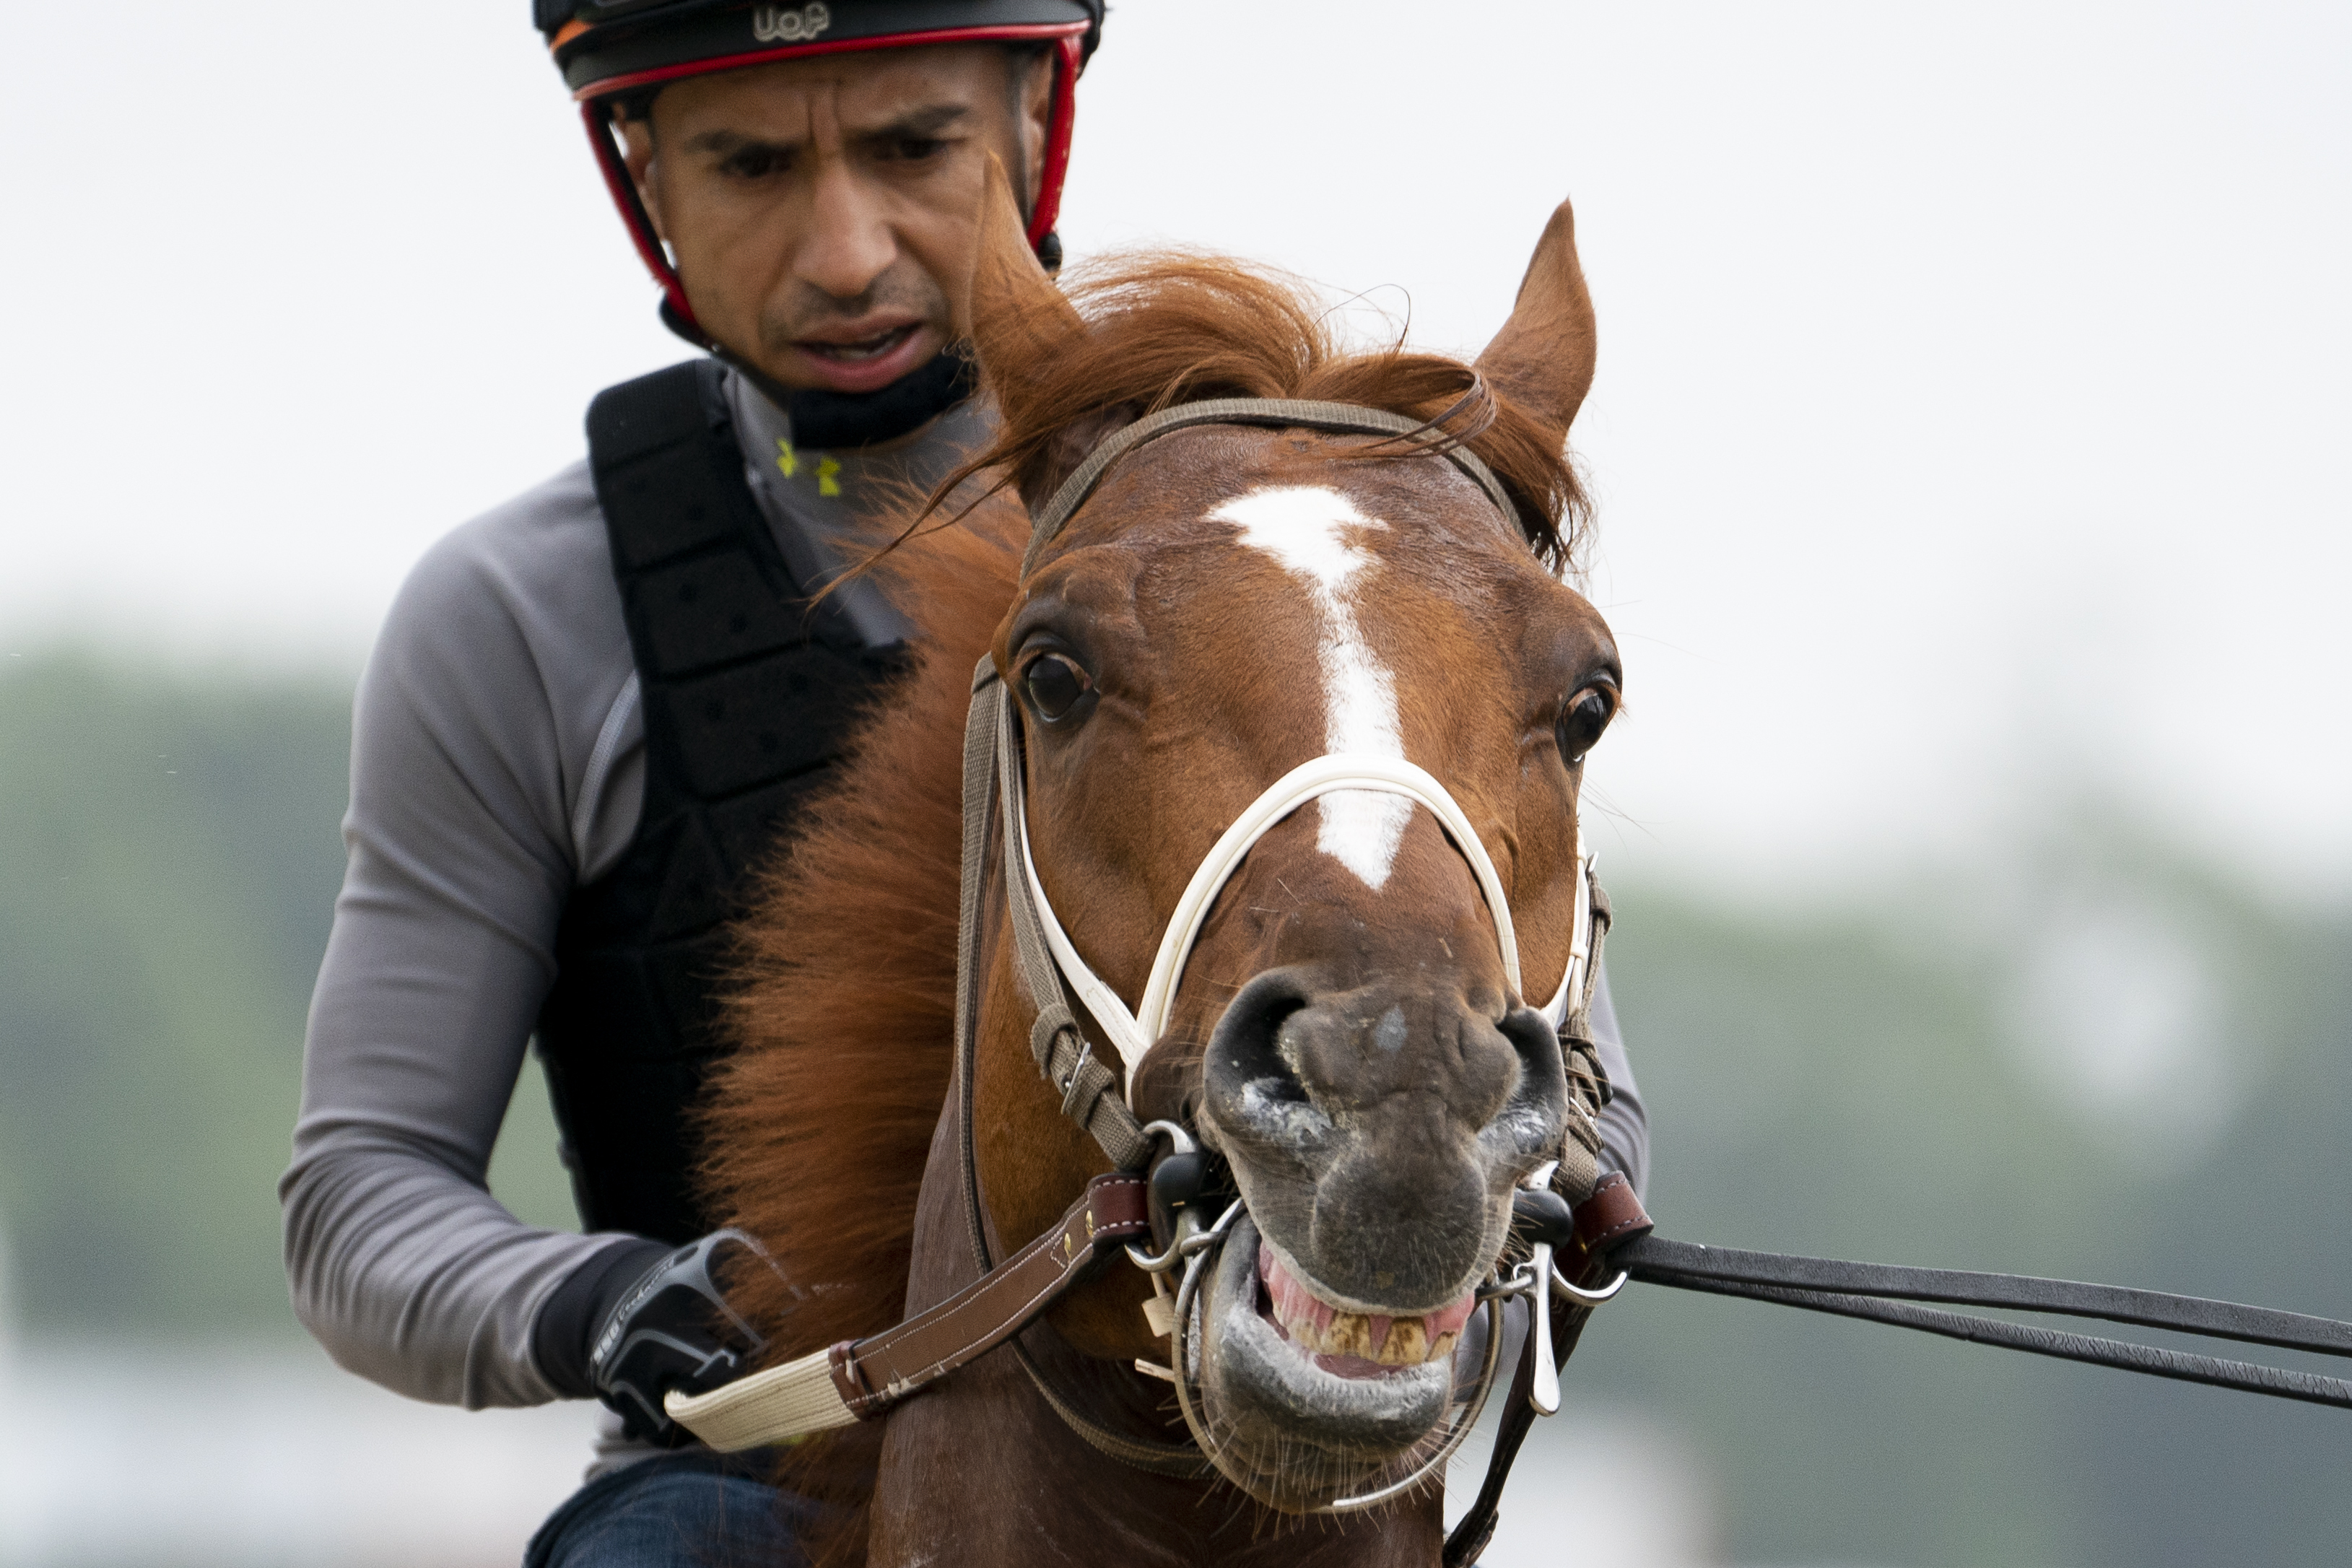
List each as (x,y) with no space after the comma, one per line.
(645,1321)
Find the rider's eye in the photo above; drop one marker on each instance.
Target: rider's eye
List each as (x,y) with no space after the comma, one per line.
(1055,686)
(1582,719)
(755,163)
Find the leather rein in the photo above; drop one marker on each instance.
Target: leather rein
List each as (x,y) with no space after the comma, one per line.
(1575,1225)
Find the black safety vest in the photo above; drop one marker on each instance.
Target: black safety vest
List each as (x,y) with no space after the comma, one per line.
(748,696)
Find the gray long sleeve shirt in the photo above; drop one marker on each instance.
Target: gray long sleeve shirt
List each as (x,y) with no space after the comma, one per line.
(497,762)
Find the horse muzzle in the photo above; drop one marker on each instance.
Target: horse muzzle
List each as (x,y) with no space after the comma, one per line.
(1377,1132)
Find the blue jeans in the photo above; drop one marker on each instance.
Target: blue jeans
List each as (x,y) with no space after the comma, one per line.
(688,1510)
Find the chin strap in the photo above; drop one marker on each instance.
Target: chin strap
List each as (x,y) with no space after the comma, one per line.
(1583,1239)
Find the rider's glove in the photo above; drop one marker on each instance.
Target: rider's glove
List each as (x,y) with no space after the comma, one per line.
(643,1321)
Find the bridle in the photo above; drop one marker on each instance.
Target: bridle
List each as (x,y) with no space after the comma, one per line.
(860,1379)
(1573,1210)
(1053,969)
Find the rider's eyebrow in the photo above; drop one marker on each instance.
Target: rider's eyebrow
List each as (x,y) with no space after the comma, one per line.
(915,124)
(919,124)
(724,144)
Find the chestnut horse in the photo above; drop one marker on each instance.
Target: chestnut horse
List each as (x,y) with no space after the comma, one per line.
(1230,603)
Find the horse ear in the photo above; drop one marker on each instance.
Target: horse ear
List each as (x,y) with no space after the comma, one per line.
(1022,324)
(1018,320)
(1542,358)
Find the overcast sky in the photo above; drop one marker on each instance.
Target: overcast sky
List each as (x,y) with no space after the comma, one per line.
(1970,421)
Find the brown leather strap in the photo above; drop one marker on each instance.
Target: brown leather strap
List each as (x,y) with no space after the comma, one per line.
(873,1375)
(1611,1216)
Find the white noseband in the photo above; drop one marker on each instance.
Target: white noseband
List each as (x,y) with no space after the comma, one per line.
(1134,1033)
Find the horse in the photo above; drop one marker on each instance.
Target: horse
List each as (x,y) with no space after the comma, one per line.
(1351,1042)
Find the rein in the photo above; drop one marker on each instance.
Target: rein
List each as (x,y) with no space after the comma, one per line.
(1887,1293)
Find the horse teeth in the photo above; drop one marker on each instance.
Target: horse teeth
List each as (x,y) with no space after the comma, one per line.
(1318,1328)
(1406,1345)
(1350,1334)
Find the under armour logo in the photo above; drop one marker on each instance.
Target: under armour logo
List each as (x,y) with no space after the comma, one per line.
(784,25)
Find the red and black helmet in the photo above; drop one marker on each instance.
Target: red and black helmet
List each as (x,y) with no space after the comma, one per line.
(613,52)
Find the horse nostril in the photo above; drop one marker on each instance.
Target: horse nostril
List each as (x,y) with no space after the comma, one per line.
(1532,1035)
(1537,1108)
(1256,1091)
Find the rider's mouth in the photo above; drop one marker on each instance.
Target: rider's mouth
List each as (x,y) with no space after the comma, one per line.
(863,349)
(1353,1345)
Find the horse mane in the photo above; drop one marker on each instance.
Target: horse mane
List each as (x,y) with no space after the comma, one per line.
(841,1004)
(840,1008)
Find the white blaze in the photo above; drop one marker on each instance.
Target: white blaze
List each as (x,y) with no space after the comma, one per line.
(1304,527)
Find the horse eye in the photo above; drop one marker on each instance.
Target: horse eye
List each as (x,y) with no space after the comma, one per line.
(1054,685)
(1582,719)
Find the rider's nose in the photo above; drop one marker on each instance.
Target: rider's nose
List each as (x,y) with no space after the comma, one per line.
(849,243)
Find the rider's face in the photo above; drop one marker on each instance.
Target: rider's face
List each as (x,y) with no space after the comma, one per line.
(823,211)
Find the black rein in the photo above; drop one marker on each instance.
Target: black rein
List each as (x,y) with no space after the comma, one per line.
(1887,1293)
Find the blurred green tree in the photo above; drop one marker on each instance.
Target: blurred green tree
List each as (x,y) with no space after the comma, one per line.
(170,854)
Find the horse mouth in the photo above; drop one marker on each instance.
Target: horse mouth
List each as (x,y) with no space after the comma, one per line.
(1352,1344)
(1307,1399)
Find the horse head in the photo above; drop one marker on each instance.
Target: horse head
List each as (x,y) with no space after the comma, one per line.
(1350,1035)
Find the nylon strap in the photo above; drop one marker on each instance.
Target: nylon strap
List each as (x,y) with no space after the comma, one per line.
(984,729)
(1588,1080)
(858,1380)
(1469,1538)
(1090,1089)
(2240,1323)
(1575,1178)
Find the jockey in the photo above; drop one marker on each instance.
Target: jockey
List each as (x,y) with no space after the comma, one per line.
(590,711)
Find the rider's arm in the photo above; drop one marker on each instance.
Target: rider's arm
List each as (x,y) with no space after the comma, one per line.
(1624,1124)
(495,761)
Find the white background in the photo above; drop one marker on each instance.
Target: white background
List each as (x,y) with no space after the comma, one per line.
(1970,430)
